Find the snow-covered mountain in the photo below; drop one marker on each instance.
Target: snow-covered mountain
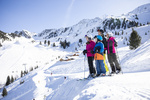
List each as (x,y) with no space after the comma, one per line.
(55,79)
(25,33)
(137,17)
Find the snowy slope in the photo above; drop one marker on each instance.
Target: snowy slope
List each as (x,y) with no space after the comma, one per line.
(138,59)
(40,84)
(20,53)
(48,82)
(142,13)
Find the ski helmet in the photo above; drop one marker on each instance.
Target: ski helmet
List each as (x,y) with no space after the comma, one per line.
(100,30)
(110,34)
(99,37)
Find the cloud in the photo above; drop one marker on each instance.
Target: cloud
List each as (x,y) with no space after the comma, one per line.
(68,13)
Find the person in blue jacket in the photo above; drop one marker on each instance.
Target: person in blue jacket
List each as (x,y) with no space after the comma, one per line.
(98,56)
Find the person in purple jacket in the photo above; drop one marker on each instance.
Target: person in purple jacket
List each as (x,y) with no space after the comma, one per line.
(90,46)
(111,53)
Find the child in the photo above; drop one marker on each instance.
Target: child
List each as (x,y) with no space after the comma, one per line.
(98,51)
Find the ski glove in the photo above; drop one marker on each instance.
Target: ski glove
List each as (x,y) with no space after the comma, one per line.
(92,52)
(84,52)
(116,44)
(97,49)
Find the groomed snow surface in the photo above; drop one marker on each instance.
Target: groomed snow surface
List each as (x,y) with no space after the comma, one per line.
(48,81)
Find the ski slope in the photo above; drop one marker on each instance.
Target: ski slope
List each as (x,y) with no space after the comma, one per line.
(21,54)
(57,80)
(41,84)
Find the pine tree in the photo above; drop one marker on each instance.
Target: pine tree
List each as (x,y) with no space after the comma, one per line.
(25,73)
(123,42)
(31,69)
(0,45)
(21,73)
(45,42)
(40,43)
(135,40)
(4,92)
(140,24)
(136,17)
(136,24)
(145,33)
(122,32)
(12,79)
(48,43)
(54,45)
(115,33)
(80,41)
(8,81)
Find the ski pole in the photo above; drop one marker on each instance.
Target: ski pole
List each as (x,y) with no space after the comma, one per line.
(84,65)
(106,60)
(119,59)
(118,55)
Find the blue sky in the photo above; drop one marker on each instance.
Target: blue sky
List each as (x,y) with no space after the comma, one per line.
(37,15)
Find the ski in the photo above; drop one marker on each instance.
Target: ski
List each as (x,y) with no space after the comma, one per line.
(83,79)
(109,75)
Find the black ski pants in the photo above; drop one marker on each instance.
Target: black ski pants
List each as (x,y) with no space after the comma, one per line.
(91,67)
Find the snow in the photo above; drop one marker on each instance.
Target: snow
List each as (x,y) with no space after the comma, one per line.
(57,80)
(140,57)
(41,84)
(22,53)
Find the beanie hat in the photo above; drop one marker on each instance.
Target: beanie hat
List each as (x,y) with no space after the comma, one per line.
(89,37)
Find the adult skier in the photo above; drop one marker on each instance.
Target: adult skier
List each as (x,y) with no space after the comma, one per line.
(90,46)
(98,51)
(104,41)
(111,53)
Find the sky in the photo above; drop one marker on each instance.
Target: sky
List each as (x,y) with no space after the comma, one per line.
(37,15)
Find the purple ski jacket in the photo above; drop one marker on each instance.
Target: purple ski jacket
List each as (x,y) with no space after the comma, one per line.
(90,46)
